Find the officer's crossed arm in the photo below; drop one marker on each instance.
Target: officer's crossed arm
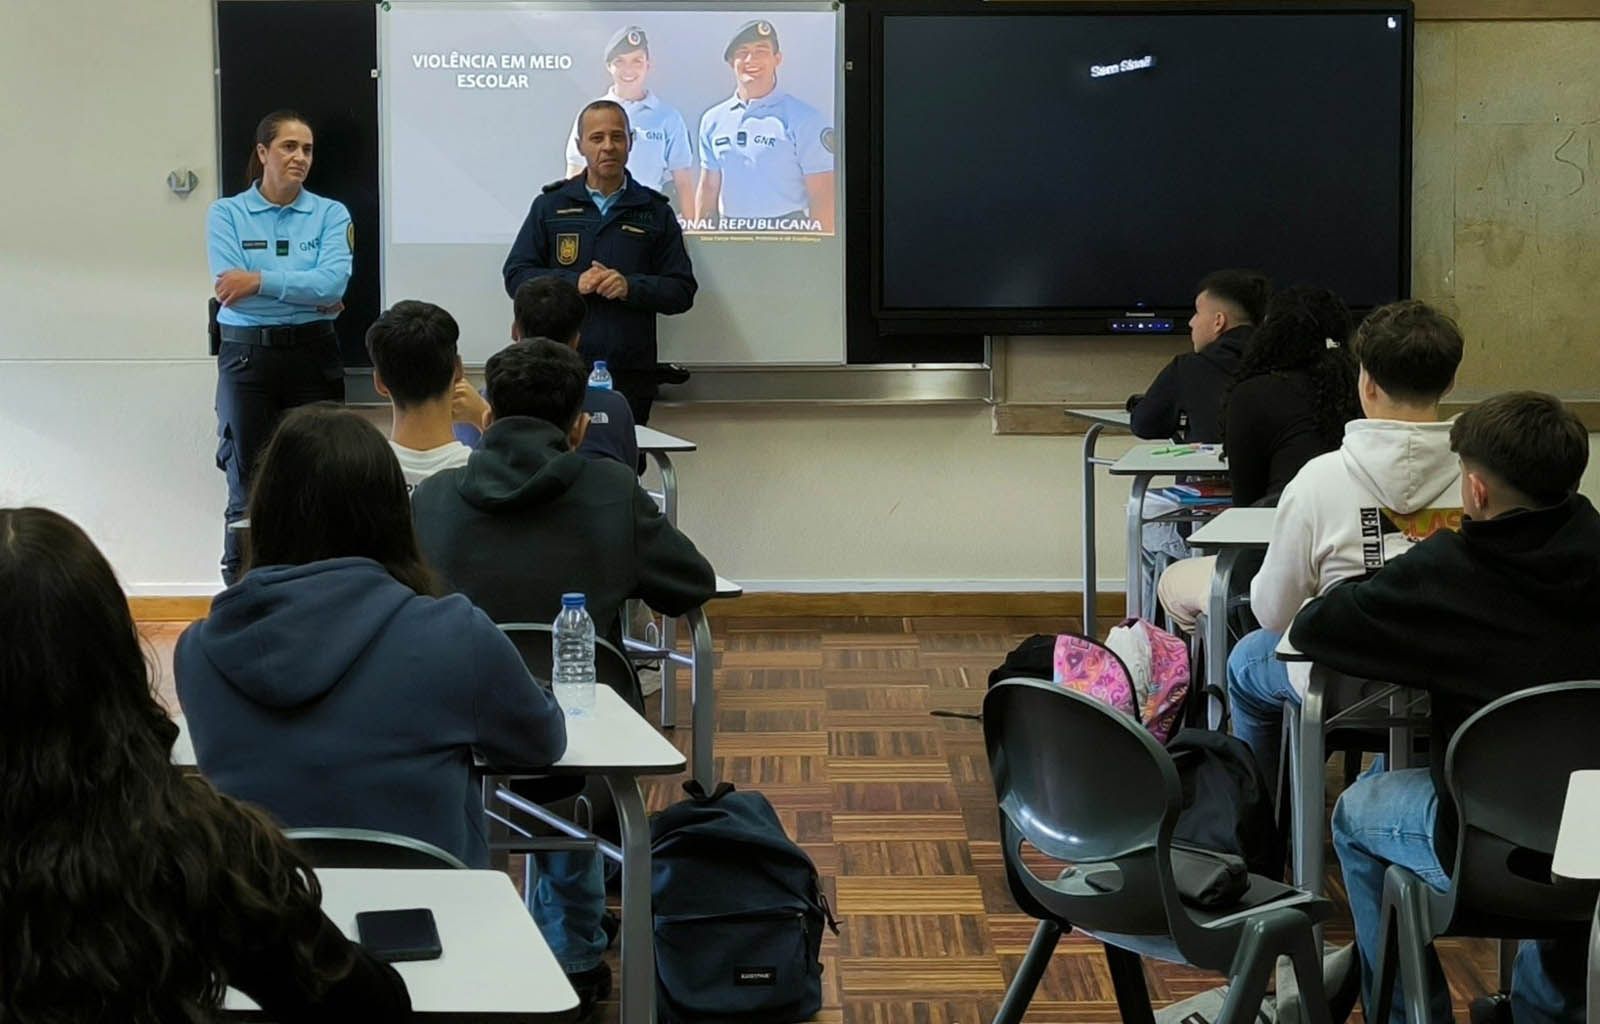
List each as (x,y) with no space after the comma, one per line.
(323,285)
(226,257)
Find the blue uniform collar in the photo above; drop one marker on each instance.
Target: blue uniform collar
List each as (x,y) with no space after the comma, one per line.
(632,193)
(770,99)
(255,202)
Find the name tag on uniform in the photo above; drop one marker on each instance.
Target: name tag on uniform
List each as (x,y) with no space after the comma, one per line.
(255,243)
(570,209)
(721,140)
(283,247)
(634,230)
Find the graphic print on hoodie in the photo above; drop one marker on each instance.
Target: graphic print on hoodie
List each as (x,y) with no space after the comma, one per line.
(1351,511)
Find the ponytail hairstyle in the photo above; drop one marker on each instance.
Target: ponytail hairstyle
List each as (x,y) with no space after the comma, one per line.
(266,132)
(1305,330)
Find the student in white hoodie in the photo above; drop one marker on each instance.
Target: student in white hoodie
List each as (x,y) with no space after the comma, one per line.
(1392,482)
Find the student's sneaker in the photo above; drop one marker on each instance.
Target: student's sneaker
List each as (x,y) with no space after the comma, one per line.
(593,987)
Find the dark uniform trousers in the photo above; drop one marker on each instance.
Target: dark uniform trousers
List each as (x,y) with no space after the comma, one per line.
(256,385)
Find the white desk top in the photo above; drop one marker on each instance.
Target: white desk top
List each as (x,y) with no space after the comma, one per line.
(728,588)
(1105,417)
(1143,460)
(1578,841)
(1236,527)
(495,962)
(613,739)
(650,440)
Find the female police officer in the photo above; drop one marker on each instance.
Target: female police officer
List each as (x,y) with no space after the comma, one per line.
(281,259)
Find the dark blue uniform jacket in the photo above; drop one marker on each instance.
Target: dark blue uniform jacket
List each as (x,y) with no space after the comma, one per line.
(639,236)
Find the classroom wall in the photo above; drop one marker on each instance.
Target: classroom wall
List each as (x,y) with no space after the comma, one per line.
(106,391)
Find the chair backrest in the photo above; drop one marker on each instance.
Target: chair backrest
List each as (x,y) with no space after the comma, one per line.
(1507,770)
(367,848)
(611,667)
(1088,786)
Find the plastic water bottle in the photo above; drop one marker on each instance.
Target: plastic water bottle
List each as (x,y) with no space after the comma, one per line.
(574,657)
(600,377)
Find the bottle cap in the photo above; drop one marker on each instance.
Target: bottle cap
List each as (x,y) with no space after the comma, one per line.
(572,600)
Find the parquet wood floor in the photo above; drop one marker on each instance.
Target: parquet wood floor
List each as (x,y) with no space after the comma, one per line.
(829,718)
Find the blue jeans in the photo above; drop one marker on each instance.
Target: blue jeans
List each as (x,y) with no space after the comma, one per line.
(568,904)
(1258,684)
(1388,818)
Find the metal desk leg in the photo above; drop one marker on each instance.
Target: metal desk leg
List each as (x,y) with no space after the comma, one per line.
(703,700)
(669,626)
(1399,734)
(1141,483)
(1309,793)
(638,944)
(1217,633)
(1090,438)
(1593,1013)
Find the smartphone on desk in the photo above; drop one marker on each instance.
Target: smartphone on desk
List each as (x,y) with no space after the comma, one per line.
(397,935)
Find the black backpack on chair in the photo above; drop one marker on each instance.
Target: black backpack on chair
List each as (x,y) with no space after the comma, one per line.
(739,913)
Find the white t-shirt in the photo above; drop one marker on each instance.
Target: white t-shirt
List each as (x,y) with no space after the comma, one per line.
(419,465)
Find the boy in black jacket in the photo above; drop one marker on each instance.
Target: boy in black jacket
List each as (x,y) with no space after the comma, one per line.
(527,519)
(1524,575)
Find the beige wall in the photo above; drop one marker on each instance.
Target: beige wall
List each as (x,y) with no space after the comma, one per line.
(105,391)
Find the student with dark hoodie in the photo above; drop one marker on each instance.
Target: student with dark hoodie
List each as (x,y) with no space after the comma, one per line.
(528,519)
(1392,482)
(1506,604)
(1184,402)
(330,686)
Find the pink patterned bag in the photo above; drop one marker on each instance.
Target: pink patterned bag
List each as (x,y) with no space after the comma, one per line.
(1152,695)
(1091,668)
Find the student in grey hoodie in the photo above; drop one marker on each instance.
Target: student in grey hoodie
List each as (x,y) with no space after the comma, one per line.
(330,686)
(1392,482)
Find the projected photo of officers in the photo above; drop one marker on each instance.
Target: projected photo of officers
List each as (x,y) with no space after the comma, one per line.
(765,155)
(662,157)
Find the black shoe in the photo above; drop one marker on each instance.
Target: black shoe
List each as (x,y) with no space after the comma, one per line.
(593,987)
(611,925)
(671,373)
(1495,1009)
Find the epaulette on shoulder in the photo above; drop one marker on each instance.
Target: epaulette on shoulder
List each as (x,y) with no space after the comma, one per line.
(558,183)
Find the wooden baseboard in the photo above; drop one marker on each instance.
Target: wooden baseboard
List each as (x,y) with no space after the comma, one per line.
(887,604)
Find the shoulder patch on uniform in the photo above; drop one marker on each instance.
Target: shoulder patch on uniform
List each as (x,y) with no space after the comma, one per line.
(350,236)
(827,139)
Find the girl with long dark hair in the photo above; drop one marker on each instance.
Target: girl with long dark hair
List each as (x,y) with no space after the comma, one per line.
(329,685)
(128,891)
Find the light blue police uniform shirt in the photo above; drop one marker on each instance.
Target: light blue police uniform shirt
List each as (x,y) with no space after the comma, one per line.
(660,140)
(604,202)
(764,150)
(302,251)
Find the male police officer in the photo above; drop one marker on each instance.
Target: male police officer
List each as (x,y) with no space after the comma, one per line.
(661,153)
(620,243)
(763,153)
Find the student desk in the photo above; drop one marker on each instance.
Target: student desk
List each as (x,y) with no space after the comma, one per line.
(1347,697)
(1230,535)
(702,684)
(658,447)
(1578,858)
(1098,420)
(496,966)
(618,744)
(1143,464)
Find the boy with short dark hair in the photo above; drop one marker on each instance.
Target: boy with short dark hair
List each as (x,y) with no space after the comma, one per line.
(416,366)
(1506,604)
(1392,482)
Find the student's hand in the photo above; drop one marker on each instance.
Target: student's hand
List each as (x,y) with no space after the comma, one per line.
(467,406)
(590,279)
(612,286)
(233,285)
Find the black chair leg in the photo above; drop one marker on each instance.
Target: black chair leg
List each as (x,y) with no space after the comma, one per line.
(1253,964)
(1415,939)
(1127,981)
(1020,992)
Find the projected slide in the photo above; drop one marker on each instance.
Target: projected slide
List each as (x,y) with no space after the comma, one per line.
(733,114)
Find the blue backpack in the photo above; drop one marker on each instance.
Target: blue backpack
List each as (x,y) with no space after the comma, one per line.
(739,913)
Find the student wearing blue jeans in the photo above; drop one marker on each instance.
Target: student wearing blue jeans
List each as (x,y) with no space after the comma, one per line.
(1392,480)
(1505,604)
